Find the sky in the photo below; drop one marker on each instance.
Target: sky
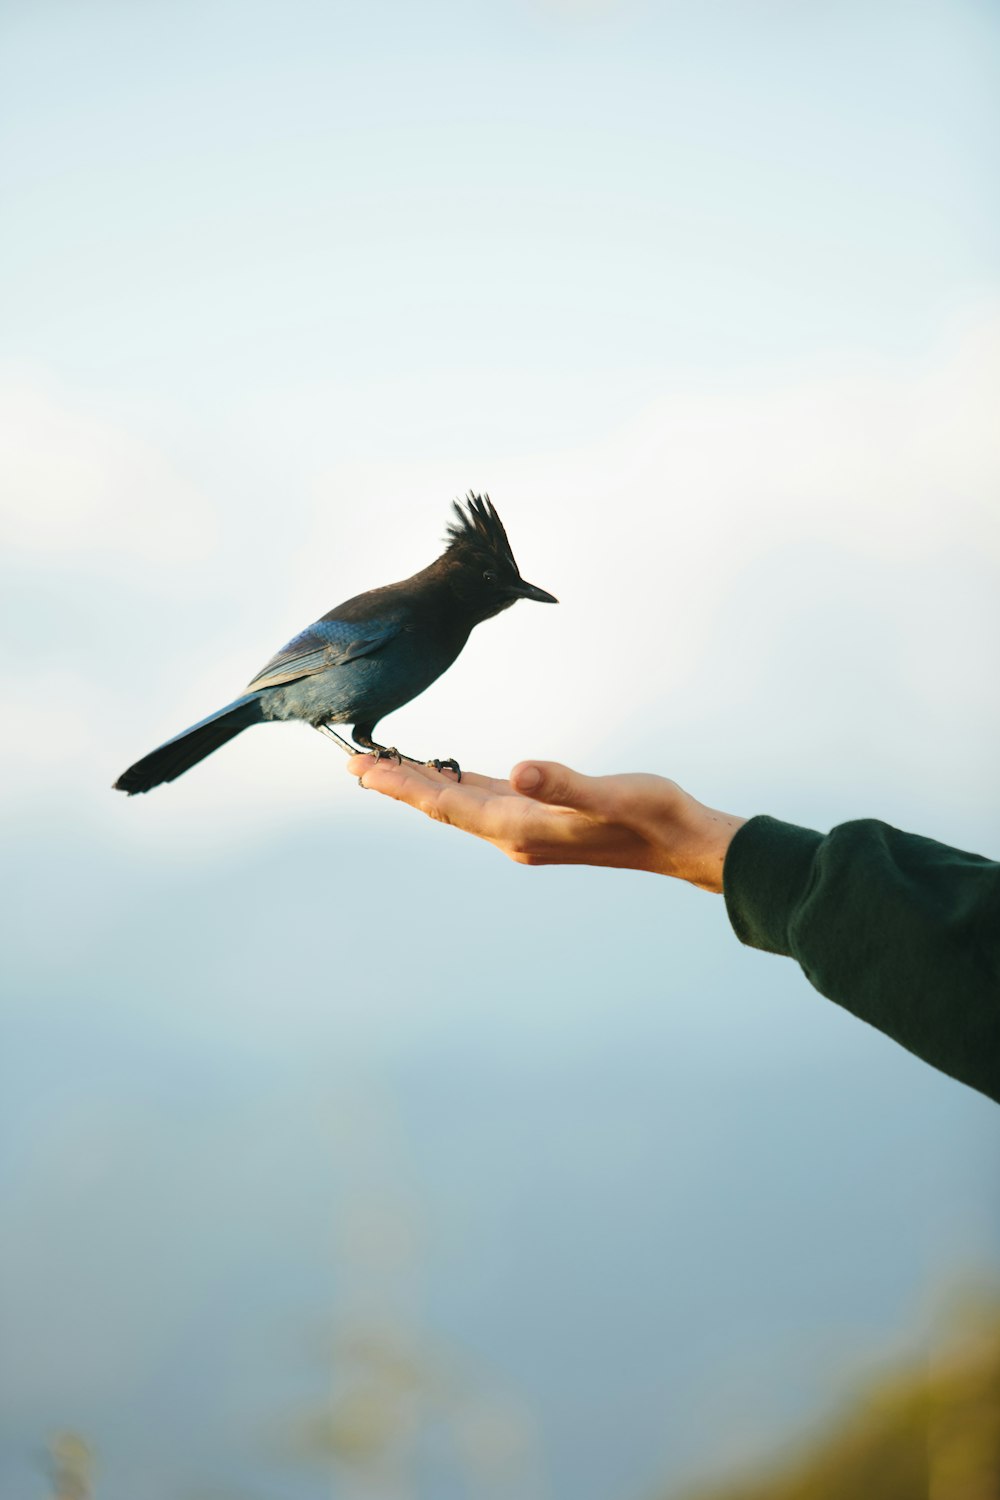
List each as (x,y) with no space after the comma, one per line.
(708,300)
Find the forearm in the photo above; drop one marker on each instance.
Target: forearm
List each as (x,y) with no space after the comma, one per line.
(903,932)
(900,930)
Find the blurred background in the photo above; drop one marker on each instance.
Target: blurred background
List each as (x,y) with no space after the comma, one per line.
(339,1157)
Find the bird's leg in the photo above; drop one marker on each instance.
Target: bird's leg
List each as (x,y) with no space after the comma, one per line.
(325,727)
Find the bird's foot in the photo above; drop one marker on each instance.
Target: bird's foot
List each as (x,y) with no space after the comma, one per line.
(446,765)
(387,752)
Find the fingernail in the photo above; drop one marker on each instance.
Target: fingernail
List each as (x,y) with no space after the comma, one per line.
(528,778)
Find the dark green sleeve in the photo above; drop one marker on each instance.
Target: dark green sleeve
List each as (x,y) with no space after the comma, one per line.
(898,929)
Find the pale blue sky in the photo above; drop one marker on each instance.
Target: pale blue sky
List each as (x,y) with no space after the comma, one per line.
(210,200)
(708,298)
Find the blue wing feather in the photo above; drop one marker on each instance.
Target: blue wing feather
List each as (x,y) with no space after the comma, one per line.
(327,643)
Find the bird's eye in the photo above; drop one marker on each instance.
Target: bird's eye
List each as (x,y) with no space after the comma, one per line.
(489,577)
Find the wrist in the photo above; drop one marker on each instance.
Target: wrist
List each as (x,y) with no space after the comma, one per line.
(721,829)
(693,841)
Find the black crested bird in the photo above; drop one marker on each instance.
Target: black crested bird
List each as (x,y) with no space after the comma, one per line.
(368,656)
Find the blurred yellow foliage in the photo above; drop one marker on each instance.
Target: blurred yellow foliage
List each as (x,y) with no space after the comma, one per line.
(70,1462)
(925,1433)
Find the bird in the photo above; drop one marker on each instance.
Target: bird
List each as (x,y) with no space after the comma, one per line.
(369,655)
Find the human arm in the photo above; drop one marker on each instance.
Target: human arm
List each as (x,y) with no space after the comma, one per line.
(900,930)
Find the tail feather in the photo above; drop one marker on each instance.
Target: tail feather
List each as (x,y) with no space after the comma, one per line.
(169,761)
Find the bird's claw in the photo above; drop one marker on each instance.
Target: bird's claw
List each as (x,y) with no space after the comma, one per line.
(447,765)
(389,752)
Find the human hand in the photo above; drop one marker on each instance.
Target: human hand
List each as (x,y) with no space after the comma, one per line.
(547,814)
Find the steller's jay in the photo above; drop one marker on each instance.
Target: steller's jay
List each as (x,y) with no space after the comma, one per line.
(368,656)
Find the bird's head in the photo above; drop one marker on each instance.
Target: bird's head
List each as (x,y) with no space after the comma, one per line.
(480,565)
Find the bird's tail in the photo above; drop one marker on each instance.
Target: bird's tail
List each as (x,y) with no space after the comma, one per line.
(185,750)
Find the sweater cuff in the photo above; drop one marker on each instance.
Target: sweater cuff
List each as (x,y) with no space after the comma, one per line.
(767,870)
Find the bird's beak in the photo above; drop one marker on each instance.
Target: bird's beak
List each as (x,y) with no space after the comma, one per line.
(528,591)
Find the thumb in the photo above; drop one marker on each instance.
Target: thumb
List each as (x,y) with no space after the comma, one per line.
(548,781)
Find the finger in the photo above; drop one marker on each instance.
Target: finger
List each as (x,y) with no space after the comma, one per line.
(548,781)
(402,779)
(362,765)
(432,792)
(496,786)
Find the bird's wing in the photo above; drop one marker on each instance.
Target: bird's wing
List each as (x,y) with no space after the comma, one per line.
(328,643)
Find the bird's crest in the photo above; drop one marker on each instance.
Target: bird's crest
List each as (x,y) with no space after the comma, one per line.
(478,525)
